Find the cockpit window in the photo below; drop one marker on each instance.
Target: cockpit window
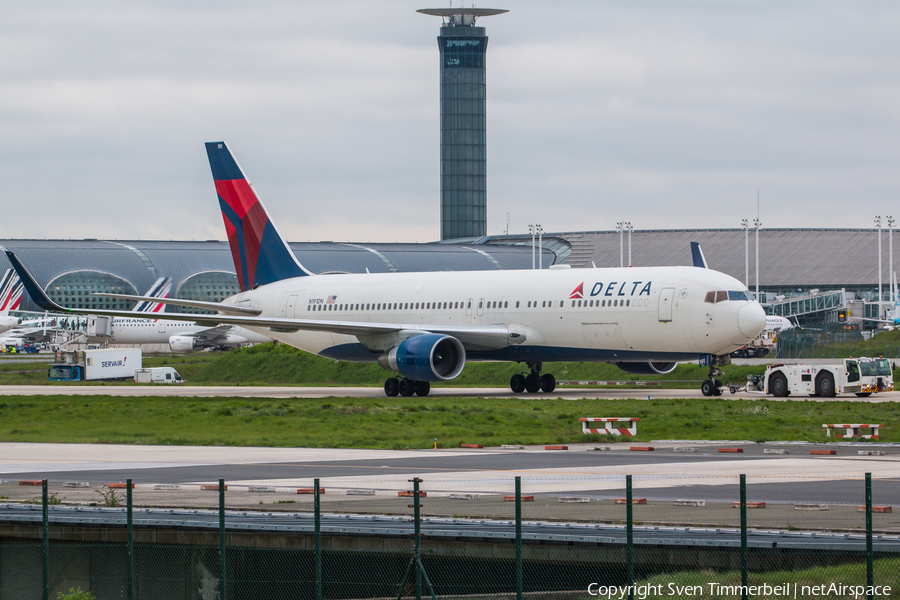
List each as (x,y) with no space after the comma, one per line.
(723,296)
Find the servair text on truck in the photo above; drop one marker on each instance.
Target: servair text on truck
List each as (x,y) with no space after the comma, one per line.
(860,376)
(95,365)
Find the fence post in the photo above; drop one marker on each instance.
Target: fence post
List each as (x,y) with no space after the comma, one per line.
(45,543)
(518,538)
(870,554)
(629,540)
(129,523)
(744,557)
(418,537)
(222,539)
(318,539)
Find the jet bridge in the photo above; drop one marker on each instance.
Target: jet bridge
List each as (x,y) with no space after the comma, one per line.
(817,305)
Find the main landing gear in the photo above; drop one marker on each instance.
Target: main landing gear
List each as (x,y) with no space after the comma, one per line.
(406,387)
(534,382)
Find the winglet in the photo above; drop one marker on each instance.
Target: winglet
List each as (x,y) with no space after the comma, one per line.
(31,286)
(697,255)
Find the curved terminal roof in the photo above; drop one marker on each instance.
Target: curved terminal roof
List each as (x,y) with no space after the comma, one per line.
(799,258)
(825,258)
(142,262)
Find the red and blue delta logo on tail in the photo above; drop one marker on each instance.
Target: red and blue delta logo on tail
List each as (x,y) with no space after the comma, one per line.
(260,254)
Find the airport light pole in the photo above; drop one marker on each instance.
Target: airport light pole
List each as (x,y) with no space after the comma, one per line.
(540,246)
(745,225)
(620,226)
(878,225)
(630,228)
(890,222)
(531,232)
(756,225)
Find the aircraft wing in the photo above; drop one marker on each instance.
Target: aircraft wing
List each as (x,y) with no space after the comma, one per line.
(472,336)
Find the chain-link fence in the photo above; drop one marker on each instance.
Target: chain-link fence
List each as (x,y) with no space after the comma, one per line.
(615,537)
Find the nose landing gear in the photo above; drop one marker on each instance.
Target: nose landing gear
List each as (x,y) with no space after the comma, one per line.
(713,386)
(534,382)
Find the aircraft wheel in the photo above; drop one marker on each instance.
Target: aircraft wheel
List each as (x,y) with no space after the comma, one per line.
(423,388)
(517,383)
(706,388)
(825,385)
(406,387)
(778,385)
(732,389)
(548,383)
(391,387)
(532,383)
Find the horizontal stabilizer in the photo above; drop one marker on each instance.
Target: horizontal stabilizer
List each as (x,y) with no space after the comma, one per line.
(225,309)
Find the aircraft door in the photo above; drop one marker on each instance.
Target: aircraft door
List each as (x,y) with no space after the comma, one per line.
(469,307)
(161,326)
(666,297)
(480,306)
(289,307)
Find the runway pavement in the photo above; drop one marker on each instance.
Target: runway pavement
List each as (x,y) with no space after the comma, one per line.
(377,392)
(660,476)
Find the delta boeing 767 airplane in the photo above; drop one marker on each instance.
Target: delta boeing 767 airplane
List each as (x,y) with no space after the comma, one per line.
(425,326)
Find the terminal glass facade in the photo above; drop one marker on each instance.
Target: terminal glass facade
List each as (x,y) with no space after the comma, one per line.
(76,290)
(463,132)
(209,286)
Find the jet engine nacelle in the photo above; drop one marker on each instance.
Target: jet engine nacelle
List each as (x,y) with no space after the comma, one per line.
(181,343)
(427,357)
(647,368)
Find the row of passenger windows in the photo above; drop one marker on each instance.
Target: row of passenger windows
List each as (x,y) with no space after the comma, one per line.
(468,305)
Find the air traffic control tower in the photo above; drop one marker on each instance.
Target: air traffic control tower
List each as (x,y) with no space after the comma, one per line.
(463,115)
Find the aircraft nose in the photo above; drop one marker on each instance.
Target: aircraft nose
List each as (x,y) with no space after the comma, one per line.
(752,320)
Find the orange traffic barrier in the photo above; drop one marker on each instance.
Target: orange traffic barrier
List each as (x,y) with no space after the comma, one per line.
(642,449)
(119,486)
(471,446)
(875,509)
(633,501)
(824,452)
(749,505)
(212,488)
(31,482)
(731,450)
(310,490)
(556,447)
(513,498)
(410,494)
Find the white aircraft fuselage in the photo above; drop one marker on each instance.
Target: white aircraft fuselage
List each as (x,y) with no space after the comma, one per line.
(633,314)
(127,330)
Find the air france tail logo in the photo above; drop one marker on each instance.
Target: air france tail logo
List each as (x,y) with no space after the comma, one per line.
(578,293)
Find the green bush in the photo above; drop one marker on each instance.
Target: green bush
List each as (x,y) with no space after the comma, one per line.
(74,594)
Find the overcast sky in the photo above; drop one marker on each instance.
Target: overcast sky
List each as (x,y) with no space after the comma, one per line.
(667,113)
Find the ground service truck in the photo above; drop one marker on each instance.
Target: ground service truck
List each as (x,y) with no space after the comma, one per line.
(96,365)
(860,376)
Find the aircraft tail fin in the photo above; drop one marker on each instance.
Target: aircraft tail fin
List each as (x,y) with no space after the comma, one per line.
(10,292)
(697,255)
(261,254)
(161,288)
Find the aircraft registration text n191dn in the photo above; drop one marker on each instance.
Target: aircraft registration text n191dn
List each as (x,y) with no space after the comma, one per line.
(426,326)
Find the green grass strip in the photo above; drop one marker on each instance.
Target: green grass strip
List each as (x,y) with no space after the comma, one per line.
(400,423)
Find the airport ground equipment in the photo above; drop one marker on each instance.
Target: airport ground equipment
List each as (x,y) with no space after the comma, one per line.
(96,365)
(754,384)
(157,375)
(851,430)
(609,425)
(860,376)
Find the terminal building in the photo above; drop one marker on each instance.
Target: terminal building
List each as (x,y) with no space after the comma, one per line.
(810,275)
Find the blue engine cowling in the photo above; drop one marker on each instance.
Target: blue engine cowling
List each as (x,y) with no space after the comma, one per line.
(647,368)
(427,357)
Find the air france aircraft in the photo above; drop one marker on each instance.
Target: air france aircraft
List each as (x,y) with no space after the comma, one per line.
(425,326)
(180,336)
